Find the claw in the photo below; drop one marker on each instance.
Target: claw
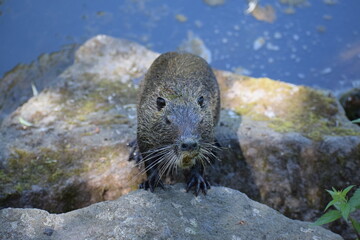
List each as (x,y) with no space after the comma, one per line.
(144,185)
(152,182)
(190,184)
(151,188)
(198,182)
(160,183)
(197,189)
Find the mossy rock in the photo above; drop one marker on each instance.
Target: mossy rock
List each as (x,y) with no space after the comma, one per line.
(75,152)
(286,107)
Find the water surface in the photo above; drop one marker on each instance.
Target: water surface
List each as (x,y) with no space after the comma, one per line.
(315,43)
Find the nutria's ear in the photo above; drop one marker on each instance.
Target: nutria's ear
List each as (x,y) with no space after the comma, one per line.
(160,103)
(200,101)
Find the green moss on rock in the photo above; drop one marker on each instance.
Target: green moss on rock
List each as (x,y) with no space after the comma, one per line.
(48,166)
(110,120)
(288,108)
(78,108)
(28,168)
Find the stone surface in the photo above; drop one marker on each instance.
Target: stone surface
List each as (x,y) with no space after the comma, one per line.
(171,214)
(16,84)
(76,151)
(282,144)
(295,141)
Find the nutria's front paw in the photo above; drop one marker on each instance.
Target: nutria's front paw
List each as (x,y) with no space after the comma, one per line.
(152,182)
(199,182)
(134,152)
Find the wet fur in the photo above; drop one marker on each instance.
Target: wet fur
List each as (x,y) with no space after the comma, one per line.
(180,79)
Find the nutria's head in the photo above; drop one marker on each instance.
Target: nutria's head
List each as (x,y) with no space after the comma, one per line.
(185,125)
(180,131)
(177,112)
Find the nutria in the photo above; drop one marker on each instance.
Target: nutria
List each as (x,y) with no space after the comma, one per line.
(178,109)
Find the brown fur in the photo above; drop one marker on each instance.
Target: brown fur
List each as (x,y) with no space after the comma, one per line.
(180,79)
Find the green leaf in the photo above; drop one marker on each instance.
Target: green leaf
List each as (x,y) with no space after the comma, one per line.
(356,120)
(355,224)
(354,201)
(332,193)
(330,216)
(345,211)
(346,190)
(24,122)
(330,204)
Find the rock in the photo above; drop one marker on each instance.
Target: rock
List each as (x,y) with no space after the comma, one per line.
(76,151)
(214,2)
(283,144)
(290,144)
(195,45)
(290,140)
(172,214)
(16,84)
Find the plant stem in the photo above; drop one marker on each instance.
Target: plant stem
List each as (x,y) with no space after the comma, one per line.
(352,220)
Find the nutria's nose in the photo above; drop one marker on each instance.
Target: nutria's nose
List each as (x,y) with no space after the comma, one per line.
(189,145)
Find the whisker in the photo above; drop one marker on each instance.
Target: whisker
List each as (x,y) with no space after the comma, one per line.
(166,165)
(155,154)
(165,159)
(201,158)
(213,146)
(210,154)
(154,151)
(175,166)
(212,150)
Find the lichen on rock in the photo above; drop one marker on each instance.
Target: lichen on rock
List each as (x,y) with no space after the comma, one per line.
(223,214)
(286,107)
(81,127)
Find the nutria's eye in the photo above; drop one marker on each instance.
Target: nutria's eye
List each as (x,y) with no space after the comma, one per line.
(200,101)
(160,103)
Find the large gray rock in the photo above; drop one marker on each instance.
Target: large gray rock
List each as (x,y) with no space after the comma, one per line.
(76,151)
(292,142)
(171,214)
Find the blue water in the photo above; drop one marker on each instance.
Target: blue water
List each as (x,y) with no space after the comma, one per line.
(327,59)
